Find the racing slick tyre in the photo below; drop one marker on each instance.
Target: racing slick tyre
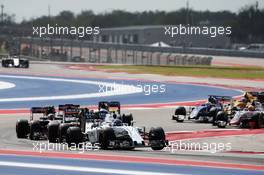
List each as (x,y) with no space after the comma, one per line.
(244,123)
(127,118)
(157,138)
(53,128)
(179,114)
(258,120)
(22,128)
(4,63)
(62,132)
(74,135)
(26,64)
(105,137)
(261,120)
(180,111)
(213,113)
(34,128)
(221,119)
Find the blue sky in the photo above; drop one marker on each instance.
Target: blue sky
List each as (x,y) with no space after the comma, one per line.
(25,9)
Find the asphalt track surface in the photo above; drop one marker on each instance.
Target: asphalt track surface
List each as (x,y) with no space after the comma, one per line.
(11,164)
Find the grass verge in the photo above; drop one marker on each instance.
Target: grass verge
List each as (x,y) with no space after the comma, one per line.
(198,71)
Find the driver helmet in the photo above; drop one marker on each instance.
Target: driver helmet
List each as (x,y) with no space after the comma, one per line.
(251,108)
(212,100)
(51,116)
(117,122)
(244,100)
(103,110)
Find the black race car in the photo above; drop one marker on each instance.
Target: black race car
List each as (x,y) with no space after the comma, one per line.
(38,124)
(44,122)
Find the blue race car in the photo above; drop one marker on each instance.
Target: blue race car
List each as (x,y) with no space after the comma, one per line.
(204,113)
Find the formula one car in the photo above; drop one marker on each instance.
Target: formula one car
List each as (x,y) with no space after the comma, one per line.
(255,96)
(43,126)
(70,117)
(245,113)
(36,128)
(15,61)
(249,117)
(248,99)
(109,129)
(204,113)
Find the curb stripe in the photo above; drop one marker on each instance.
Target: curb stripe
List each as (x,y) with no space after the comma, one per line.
(133,159)
(137,106)
(174,136)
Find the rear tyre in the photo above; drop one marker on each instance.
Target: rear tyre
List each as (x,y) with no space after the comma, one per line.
(74,135)
(34,128)
(53,132)
(244,124)
(26,64)
(4,63)
(22,128)
(258,118)
(213,114)
(221,119)
(127,118)
(62,132)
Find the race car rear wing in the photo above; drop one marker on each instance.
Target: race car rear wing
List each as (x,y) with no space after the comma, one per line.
(259,96)
(103,105)
(255,93)
(68,110)
(42,110)
(68,106)
(112,106)
(221,98)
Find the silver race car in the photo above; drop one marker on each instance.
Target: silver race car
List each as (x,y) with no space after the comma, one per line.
(15,61)
(111,130)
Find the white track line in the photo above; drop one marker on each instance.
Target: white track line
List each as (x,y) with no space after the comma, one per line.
(116,89)
(80,169)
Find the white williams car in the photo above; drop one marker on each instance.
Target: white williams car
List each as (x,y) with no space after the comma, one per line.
(15,61)
(111,130)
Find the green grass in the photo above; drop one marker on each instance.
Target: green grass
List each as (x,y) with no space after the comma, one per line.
(2,51)
(201,71)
